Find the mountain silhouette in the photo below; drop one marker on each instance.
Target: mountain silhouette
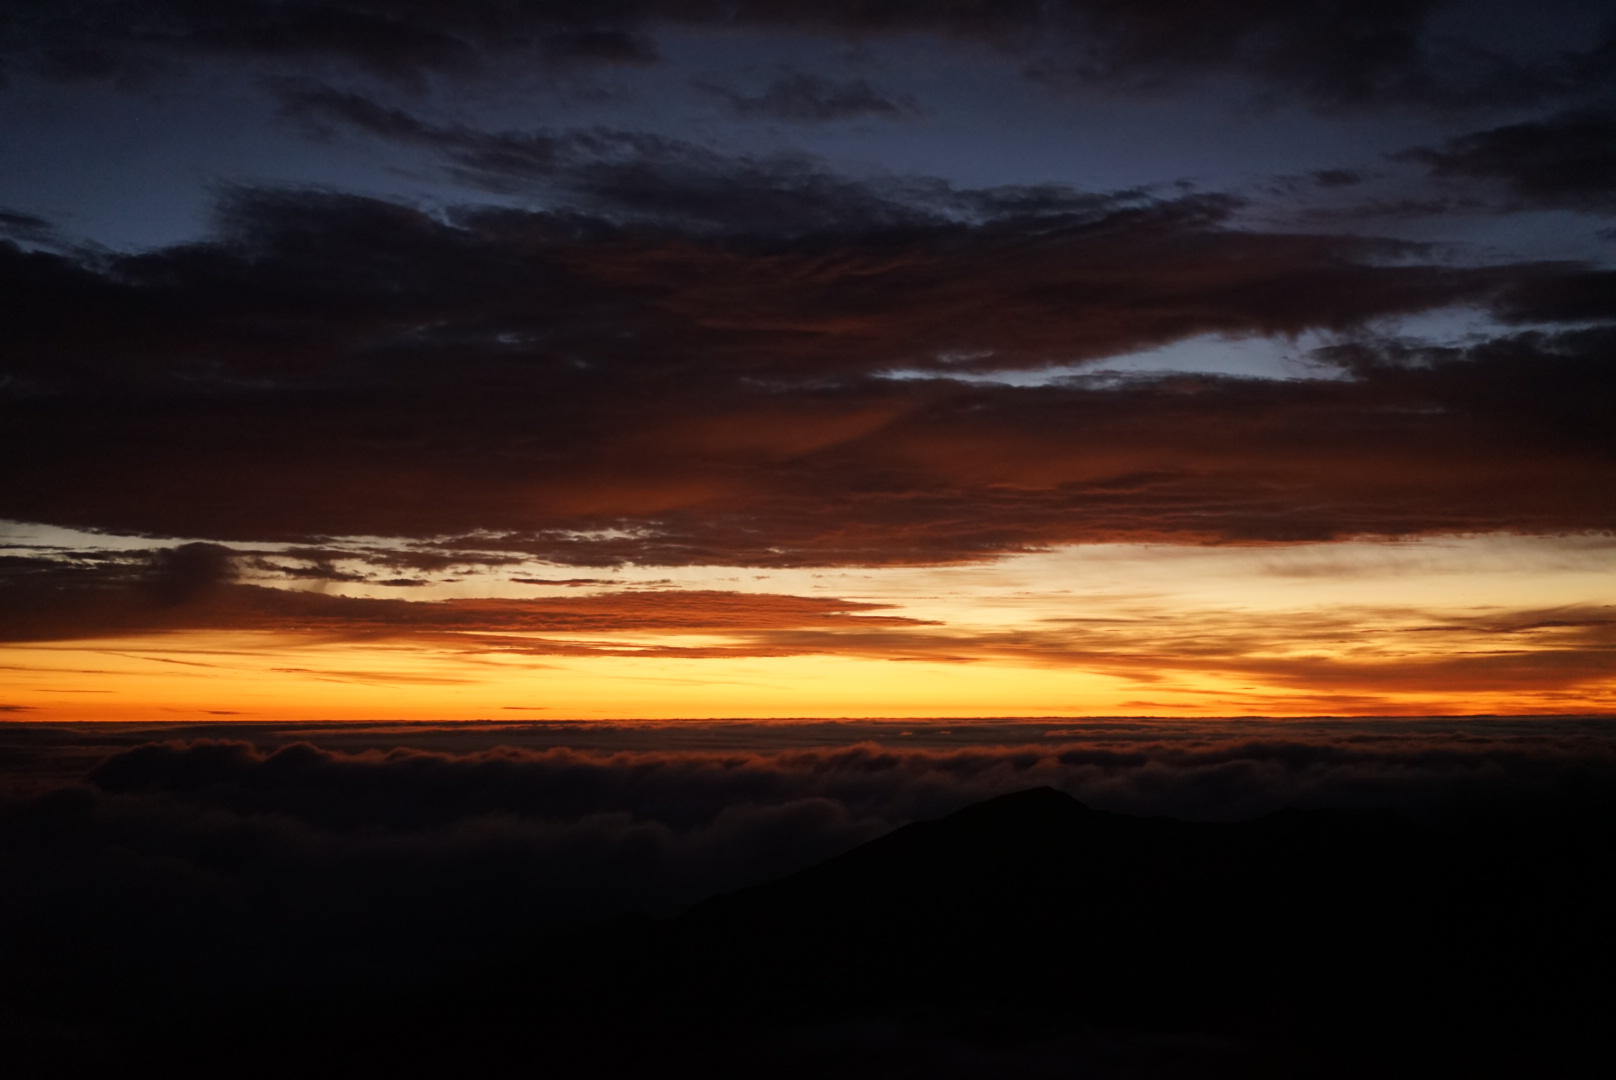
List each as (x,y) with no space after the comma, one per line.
(1010,914)
(1030,935)
(1356,939)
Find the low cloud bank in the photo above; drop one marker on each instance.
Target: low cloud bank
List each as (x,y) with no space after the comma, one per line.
(177,870)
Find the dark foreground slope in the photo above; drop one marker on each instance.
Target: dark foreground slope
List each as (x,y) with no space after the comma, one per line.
(1024,936)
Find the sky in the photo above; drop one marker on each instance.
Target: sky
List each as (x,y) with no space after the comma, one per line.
(529,361)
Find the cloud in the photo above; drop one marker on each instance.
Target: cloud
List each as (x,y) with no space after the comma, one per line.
(183,574)
(870,280)
(189,588)
(184,869)
(1335,178)
(1576,297)
(1563,162)
(804,97)
(333,905)
(25,227)
(319,571)
(617,386)
(1427,768)
(135,43)
(647,177)
(1335,54)
(1349,660)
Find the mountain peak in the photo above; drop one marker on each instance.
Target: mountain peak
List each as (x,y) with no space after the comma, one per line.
(1039,803)
(1038,796)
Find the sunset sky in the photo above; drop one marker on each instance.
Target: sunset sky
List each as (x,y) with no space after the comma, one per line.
(538,360)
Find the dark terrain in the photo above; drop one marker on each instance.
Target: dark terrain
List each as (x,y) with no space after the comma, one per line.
(1024,936)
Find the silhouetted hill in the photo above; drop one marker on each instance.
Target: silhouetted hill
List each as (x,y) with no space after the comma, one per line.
(1030,935)
(1013,912)
(1355,938)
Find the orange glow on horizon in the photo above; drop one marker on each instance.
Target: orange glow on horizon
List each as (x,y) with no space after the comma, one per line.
(1462,627)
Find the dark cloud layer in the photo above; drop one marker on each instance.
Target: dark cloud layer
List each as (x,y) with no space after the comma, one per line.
(191,588)
(187,867)
(696,357)
(1330,53)
(1563,162)
(655,179)
(630,384)
(135,42)
(804,97)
